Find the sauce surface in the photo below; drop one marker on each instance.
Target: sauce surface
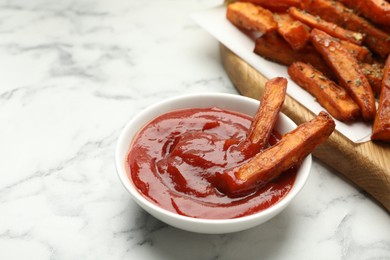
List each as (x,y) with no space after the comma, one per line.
(174,158)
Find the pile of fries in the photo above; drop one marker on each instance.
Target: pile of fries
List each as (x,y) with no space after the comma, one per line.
(338,51)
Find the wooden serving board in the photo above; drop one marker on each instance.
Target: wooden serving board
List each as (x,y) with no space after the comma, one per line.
(366,164)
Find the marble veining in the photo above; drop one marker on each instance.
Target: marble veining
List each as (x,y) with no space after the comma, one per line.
(72,74)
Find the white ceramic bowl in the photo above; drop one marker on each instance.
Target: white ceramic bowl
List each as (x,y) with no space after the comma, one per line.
(210,226)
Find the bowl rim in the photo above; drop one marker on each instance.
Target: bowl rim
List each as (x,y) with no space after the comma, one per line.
(142,201)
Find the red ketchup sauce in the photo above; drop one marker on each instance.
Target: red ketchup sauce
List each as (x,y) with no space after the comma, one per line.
(174,158)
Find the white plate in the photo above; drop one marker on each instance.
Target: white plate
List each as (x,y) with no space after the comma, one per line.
(210,226)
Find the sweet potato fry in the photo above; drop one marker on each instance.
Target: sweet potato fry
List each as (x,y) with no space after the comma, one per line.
(374,75)
(377,11)
(361,53)
(276,6)
(273,47)
(251,17)
(376,40)
(330,28)
(381,127)
(267,114)
(347,71)
(271,162)
(293,31)
(331,96)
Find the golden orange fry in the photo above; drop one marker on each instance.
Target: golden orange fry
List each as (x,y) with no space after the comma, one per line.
(293,31)
(347,70)
(251,17)
(330,28)
(331,96)
(381,127)
(268,112)
(374,75)
(377,11)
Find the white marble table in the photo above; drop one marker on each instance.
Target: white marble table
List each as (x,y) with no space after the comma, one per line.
(72,74)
